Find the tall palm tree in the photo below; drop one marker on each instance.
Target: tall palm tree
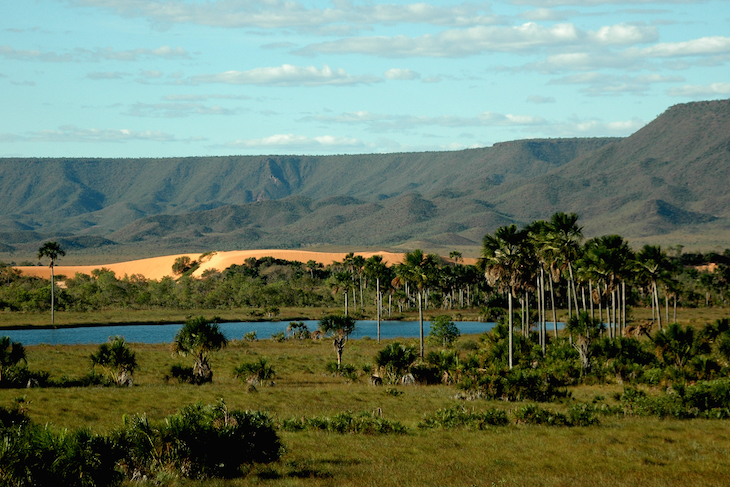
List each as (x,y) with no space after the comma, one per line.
(376,269)
(417,269)
(565,237)
(53,251)
(653,265)
(608,258)
(504,259)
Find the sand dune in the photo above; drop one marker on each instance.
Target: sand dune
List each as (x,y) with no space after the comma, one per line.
(159,267)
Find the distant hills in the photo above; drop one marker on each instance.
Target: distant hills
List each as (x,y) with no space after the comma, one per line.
(667,183)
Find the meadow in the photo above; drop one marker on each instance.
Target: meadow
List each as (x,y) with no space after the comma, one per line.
(622,450)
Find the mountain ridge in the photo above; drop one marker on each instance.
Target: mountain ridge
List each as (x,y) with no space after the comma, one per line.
(666,181)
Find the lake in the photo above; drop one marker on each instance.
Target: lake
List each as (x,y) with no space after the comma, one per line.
(263,329)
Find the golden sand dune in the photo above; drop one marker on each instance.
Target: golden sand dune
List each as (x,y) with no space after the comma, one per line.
(159,267)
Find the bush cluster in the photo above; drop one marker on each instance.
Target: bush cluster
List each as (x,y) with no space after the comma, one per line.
(346,422)
(199,442)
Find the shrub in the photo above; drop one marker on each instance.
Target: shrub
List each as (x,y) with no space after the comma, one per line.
(117,360)
(518,385)
(394,360)
(255,372)
(443,331)
(347,371)
(250,336)
(346,422)
(533,414)
(298,330)
(199,442)
(460,417)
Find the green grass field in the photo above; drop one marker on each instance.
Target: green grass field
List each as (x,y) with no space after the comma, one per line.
(621,451)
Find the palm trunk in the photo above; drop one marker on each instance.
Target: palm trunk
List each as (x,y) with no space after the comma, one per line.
(658,306)
(53,307)
(572,283)
(552,305)
(623,302)
(378,300)
(511,328)
(420,322)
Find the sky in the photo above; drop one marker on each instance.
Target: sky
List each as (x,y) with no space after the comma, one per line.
(171,78)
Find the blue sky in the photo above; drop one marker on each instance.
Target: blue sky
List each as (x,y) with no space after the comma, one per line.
(157,78)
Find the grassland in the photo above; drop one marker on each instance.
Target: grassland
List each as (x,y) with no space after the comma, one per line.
(621,451)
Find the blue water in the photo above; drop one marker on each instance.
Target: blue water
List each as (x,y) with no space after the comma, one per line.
(264,329)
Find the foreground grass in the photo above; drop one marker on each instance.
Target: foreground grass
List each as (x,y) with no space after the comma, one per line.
(621,451)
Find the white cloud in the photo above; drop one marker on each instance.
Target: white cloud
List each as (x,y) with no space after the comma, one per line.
(286,75)
(191,97)
(695,47)
(177,110)
(107,75)
(267,14)
(606,84)
(547,14)
(80,54)
(71,133)
(400,123)
(593,127)
(33,55)
(540,99)
(524,39)
(713,89)
(301,142)
(589,3)
(401,74)
(624,34)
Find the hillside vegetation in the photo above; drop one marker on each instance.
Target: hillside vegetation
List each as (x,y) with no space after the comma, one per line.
(664,184)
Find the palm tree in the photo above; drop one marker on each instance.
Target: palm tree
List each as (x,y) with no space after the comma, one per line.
(339,328)
(504,259)
(565,236)
(376,269)
(117,359)
(199,337)
(608,259)
(417,268)
(53,251)
(652,265)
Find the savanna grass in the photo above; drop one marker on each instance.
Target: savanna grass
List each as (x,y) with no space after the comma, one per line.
(627,451)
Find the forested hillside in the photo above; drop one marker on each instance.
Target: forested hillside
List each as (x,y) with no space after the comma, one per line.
(666,183)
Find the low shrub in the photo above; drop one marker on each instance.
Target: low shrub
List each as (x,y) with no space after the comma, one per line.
(460,417)
(346,422)
(517,385)
(535,415)
(199,442)
(258,372)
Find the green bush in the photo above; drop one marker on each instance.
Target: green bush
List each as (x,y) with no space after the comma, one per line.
(199,442)
(346,422)
(460,417)
(517,385)
(535,415)
(443,331)
(257,372)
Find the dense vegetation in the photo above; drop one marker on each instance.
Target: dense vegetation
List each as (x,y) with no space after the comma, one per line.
(654,369)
